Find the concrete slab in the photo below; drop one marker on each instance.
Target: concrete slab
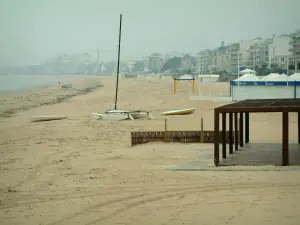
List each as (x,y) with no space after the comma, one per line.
(252,157)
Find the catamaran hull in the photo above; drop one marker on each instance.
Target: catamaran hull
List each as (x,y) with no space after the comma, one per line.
(114,117)
(141,115)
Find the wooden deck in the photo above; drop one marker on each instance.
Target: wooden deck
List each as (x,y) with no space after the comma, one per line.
(244,108)
(261,154)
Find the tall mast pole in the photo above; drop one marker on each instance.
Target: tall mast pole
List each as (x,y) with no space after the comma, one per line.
(118,68)
(98,58)
(238,68)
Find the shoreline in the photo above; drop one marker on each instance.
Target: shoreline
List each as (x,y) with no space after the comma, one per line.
(14,101)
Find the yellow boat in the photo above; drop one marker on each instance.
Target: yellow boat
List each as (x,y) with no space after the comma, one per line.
(178,112)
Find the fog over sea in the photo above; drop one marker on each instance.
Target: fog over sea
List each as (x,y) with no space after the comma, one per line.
(17,82)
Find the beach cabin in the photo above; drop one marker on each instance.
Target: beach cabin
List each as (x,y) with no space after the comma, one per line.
(249,86)
(208,77)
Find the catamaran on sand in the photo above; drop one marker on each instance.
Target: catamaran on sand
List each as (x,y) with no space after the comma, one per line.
(119,114)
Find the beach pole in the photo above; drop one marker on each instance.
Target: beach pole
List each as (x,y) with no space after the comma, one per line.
(166,131)
(241,123)
(174,86)
(238,68)
(287,71)
(224,135)
(236,132)
(231,133)
(193,86)
(118,66)
(202,131)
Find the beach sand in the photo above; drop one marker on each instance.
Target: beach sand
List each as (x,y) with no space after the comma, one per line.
(83,171)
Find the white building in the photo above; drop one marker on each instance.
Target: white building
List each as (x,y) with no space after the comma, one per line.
(205,61)
(244,52)
(279,51)
(155,62)
(295,51)
(258,54)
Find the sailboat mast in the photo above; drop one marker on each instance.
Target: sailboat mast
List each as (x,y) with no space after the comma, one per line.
(118,68)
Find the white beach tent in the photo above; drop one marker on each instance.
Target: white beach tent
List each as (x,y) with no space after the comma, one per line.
(248,77)
(265,78)
(295,77)
(247,71)
(278,77)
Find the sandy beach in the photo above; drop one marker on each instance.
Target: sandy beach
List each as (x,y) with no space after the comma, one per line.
(83,171)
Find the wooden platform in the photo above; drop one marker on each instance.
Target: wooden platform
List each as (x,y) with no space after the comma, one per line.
(142,137)
(244,108)
(261,154)
(252,157)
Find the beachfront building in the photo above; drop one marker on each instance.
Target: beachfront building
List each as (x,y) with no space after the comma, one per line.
(295,51)
(279,52)
(230,56)
(188,62)
(222,58)
(233,51)
(205,61)
(245,52)
(155,62)
(258,54)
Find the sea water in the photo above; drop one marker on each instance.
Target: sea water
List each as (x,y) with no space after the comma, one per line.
(17,82)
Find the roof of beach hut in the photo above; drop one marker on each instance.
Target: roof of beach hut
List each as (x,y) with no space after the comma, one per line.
(269,76)
(248,77)
(278,77)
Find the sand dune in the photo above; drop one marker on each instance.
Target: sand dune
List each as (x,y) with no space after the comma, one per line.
(82,171)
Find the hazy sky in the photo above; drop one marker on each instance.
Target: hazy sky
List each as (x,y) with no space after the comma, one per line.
(34,30)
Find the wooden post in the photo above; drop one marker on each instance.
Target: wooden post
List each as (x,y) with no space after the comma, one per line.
(193,86)
(230,133)
(216,137)
(175,83)
(202,131)
(298,127)
(241,130)
(236,132)
(246,127)
(166,131)
(285,138)
(224,135)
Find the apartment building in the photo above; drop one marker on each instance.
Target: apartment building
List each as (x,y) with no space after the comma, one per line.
(279,52)
(223,58)
(155,62)
(233,51)
(248,52)
(188,62)
(258,54)
(205,61)
(295,50)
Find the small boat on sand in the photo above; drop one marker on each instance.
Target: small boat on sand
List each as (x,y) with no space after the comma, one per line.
(178,112)
(118,114)
(141,114)
(46,118)
(115,115)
